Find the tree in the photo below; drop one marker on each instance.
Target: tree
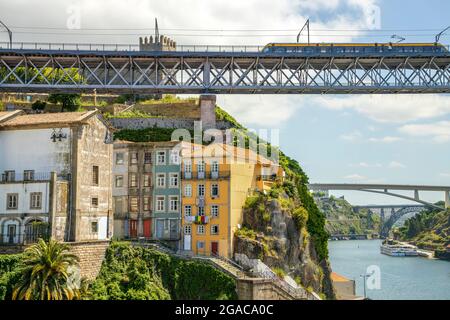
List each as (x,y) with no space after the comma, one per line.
(38,105)
(68,101)
(46,273)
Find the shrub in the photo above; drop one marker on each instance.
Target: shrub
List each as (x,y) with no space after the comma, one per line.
(279,272)
(300,216)
(38,105)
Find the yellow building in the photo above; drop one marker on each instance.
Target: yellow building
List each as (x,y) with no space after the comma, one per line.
(216,181)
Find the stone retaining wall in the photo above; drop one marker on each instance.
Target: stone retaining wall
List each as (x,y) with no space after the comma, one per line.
(143,123)
(91,255)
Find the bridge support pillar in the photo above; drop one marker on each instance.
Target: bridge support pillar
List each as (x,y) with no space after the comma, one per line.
(207,111)
(447,199)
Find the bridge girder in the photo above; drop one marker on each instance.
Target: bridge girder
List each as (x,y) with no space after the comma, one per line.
(209,72)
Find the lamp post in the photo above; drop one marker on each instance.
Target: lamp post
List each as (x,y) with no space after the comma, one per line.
(9,33)
(364,276)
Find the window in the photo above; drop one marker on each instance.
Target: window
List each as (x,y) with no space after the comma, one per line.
(187,211)
(133,180)
(215,166)
(187,167)
(95,175)
(188,190)
(200,244)
(10,175)
(201,190)
(161,157)
(160,203)
(215,229)
(173,203)
(161,180)
(201,166)
(94,202)
(133,204)
(94,226)
(134,158)
(173,180)
(146,180)
(215,211)
(200,229)
(28,175)
(201,211)
(215,190)
(11,201)
(119,158)
(118,205)
(119,181)
(174,157)
(146,203)
(36,200)
(147,157)
(187,229)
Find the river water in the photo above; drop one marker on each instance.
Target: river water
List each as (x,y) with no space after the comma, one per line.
(400,277)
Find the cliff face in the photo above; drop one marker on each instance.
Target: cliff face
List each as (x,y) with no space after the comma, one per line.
(273,233)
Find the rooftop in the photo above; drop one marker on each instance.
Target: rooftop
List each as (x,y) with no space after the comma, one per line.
(335,277)
(18,120)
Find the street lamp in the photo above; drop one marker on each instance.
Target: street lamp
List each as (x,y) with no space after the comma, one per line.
(307,28)
(9,33)
(364,276)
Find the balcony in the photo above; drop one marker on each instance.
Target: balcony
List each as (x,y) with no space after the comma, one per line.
(197,219)
(14,177)
(272,177)
(213,175)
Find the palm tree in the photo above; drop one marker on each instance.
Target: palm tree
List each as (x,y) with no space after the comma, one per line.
(46,275)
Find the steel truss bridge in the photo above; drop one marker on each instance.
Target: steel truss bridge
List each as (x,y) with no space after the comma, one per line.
(218,70)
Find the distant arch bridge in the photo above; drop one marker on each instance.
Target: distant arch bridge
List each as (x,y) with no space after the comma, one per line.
(386,189)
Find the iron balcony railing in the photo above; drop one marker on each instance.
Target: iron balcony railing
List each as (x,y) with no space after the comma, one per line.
(271,177)
(205,175)
(11,177)
(21,238)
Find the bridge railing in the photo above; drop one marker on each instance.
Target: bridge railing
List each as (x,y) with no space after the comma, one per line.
(123,47)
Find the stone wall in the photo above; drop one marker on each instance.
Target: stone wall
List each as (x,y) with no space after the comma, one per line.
(260,289)
(143,123)
(91,255)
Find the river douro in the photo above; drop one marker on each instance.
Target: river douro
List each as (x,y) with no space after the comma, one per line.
(400,277)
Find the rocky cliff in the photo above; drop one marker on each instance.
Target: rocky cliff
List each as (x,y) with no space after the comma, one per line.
(275,231)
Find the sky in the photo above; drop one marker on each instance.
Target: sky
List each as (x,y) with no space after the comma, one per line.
(397,139)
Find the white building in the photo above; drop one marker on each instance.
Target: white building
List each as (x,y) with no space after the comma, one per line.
(55,177)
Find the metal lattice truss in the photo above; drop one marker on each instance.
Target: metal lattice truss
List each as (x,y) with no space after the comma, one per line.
(145,72)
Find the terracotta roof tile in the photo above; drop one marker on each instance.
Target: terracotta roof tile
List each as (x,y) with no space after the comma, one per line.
(59,119)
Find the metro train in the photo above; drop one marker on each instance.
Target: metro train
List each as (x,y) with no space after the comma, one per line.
(340,48)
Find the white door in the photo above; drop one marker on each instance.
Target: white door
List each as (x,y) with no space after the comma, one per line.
(187,242)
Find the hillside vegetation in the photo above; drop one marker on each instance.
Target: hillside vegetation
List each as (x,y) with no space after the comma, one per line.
(429,229)
(342,219)
(135,273)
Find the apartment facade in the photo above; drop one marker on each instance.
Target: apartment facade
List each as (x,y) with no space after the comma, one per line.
(146,191)
(55,177)
(216,181)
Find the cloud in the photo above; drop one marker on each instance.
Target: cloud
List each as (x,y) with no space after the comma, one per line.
(396,165)
(439,132)
(387,139)
(225,17)
(352,136)
(355,176)
(267,110)
(366,165)
(444,174)
(390,108)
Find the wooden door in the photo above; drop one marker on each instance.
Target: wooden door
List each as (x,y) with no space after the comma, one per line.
(133,228)
(214,248)
(148,228)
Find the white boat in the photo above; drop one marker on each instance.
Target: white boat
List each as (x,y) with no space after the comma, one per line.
(399,250)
